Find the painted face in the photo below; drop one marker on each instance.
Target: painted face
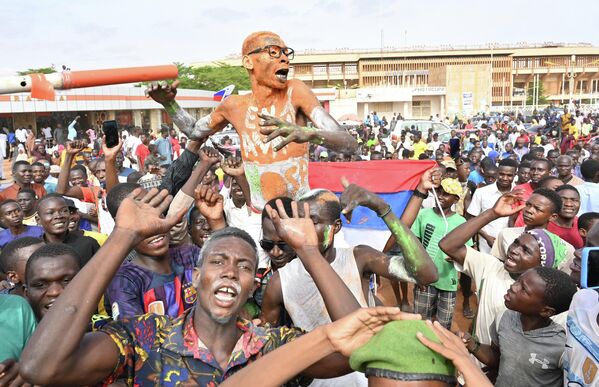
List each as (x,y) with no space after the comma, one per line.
(325,228)
(266,69)
(199,229)
(39,174)
(538,211)
(100,171)
(26,201)
(23,174)
(54,216)
(11,215)
(226,278)
(77,178)
(505,177)
(523,254)
(279,252)
(49,277)
(526,294)
(570,203)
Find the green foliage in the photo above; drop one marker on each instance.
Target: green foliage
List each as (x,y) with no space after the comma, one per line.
(41,70)
(214,77)
(530,92)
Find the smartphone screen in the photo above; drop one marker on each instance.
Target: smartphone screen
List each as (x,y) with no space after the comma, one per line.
(111,131)
(589,276)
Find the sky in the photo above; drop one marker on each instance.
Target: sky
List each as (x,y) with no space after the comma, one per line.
(87,34)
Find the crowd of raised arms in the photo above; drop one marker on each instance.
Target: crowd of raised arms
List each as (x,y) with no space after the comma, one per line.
(177,259)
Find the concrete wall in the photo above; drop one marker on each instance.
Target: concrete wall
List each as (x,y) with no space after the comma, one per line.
(468,89)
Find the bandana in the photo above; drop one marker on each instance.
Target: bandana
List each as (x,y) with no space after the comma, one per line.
(553,250)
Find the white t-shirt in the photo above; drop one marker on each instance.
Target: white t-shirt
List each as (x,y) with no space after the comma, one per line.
(483,199)
(21,135)
(492,282)
(581,357)
(47,132)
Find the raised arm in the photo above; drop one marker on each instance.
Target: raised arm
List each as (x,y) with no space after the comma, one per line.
(60,352)
(233,166)
(300,234)
(454,243)
(112,174)
(62,187)
(165,94)
(415,265)
(328,132)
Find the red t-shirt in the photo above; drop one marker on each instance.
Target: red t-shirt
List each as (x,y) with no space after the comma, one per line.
(142,152)
(570,234)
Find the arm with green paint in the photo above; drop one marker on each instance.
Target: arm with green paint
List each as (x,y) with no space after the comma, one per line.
(415,265)
(164,94)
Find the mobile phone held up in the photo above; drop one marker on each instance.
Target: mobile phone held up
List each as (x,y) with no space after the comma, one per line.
(589,270)
(111,131)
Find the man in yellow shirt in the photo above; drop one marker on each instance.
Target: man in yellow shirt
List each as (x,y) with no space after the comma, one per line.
(419,145)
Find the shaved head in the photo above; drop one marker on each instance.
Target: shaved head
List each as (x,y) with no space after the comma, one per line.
(253,40)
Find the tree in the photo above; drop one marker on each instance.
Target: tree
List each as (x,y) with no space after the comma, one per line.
(530,94)
(213,78)
(41,70)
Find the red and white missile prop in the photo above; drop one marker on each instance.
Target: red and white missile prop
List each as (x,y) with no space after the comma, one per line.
(42,86)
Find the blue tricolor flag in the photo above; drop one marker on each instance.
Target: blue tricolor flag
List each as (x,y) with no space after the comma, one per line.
(224,93)
(393,180)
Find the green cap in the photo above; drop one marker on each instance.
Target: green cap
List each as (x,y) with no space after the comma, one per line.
(395,353)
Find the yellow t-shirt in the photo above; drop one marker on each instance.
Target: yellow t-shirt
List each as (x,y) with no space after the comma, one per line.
(419,148)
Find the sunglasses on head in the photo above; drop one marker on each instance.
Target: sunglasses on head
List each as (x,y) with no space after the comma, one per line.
(268,245)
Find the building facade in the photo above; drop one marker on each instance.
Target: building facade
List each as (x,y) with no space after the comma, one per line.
(420,82)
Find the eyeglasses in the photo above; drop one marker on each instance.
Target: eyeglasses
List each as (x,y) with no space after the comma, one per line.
(275,51)
(268,245)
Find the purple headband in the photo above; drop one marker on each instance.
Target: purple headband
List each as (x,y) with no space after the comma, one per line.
(545,245)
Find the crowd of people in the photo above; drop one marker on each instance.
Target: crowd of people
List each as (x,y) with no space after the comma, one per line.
(163,261)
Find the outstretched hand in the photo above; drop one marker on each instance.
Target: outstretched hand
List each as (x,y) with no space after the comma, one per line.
(275,127)
(111,153)
(298,232)
(141,213)
(210,155)
(354,330)
(509,203)
(233,166)
(355,196)
(74,147)
(209,203)
(162,92)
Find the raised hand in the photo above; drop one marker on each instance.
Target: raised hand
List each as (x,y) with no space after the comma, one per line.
(298,232)
(110,153)
(355,196)
(353,331)
(209,203)
(74,147)
(209,154)
(162,92)
(275,127)
(509,203)
(141,213)
(429,179)
(233,166)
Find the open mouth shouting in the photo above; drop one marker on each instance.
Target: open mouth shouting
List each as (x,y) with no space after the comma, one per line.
(282,75)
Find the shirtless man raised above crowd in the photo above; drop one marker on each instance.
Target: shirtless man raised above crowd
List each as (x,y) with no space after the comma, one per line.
(271,121)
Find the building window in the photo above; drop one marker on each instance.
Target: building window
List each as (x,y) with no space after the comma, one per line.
(421,109)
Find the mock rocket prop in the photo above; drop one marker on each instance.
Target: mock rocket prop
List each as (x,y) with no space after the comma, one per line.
(42,86)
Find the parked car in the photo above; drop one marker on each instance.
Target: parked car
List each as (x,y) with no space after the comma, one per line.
(423,126)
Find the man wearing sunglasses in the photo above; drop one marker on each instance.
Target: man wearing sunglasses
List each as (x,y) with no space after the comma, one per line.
(271,121)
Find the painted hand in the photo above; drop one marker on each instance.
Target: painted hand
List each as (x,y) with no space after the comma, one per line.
(110,153)
(233,166)
(210,155)
(162,92)
(141,213)
(275,127)
(298,232)
(355,329)
(209,203)
(355,196)
(509,203)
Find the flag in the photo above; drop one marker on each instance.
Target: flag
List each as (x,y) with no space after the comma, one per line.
(392,180)
(224,93)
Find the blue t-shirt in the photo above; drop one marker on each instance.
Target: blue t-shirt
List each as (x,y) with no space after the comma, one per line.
(476,177)
(32,231)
